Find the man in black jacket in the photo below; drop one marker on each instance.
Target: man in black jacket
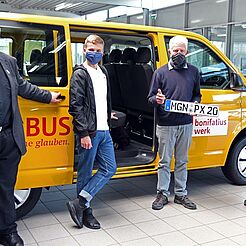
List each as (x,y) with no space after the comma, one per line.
(90,106)
(12,140)
(178,80)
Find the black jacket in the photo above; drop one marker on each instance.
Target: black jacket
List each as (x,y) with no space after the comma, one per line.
(82,102)
(20,87)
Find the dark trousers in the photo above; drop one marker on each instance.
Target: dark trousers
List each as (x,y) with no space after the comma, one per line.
(9,160)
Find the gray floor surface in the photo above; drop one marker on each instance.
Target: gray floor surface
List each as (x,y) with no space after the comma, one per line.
(123,208)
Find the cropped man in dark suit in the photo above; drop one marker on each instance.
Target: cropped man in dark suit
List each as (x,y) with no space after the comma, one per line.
(12,140)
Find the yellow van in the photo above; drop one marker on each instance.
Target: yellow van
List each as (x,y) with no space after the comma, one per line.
(47,49)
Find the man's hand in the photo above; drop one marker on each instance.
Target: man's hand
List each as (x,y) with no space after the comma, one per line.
(160,98)
(192,114)
(86,142)
(113,117)
(54,97)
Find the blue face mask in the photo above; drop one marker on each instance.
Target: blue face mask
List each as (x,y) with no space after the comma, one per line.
(93,57)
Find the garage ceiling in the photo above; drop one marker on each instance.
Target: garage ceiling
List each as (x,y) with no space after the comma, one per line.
(76,7)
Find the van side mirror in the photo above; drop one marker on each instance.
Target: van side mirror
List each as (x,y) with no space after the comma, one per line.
(236,82)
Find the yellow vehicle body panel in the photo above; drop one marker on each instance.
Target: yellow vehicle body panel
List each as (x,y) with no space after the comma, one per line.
(48,128)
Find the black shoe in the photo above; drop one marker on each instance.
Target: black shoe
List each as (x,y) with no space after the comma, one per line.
(76,211)
(185,201)
(160,201)
(89,220)
(11,239)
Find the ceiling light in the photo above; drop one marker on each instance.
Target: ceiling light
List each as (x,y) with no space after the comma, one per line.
(195,21)
(140,17)
(65,6)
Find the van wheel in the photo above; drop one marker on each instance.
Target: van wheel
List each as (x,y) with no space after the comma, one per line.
(235,168)
(25,200)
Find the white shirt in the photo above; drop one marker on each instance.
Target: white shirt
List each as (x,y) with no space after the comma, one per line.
(99,82)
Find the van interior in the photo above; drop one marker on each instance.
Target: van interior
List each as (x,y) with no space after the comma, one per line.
(129,61)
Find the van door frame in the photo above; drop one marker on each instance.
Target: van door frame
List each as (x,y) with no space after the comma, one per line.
(144,169)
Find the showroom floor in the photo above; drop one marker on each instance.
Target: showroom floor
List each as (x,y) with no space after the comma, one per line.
(123,208)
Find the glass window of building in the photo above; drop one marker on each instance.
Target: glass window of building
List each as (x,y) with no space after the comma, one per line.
(238,49)
(172,17)
(207,12)
(238,13)
(217,35)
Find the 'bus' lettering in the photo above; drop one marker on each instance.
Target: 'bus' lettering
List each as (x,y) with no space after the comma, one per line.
(32,127)
(58,126)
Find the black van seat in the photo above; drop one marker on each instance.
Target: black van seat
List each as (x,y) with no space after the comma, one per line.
(114,60)
(135,76)
(43,73)
(35,56)
(35,60)
(121,121)
(142,74)
(126,82)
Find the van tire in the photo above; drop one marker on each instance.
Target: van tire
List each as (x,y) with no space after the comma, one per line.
(235,167)
(28,202)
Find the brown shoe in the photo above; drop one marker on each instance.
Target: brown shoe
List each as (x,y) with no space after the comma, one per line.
(160,201)
(185,201)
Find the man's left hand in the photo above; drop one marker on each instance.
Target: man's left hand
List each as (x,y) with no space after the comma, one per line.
(54,97)
(113,116)
(192,114)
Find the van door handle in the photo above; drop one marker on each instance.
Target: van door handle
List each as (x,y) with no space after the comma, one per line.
(61,97)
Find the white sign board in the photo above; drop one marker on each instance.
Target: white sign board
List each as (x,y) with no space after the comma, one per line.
(191,108)
(210,126)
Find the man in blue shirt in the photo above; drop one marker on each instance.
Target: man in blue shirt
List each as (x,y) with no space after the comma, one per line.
(178,80)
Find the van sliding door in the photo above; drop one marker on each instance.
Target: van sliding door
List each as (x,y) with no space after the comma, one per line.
(40,51)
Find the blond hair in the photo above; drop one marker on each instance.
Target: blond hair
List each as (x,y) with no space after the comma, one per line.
(94,39)
(178,40)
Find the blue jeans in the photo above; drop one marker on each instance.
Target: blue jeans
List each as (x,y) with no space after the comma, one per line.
(102,152)
(173,140)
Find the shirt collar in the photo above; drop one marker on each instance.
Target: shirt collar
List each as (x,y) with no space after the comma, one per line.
(90,68)
(170,67)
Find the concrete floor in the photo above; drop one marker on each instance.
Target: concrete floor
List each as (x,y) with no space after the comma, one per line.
(123,208)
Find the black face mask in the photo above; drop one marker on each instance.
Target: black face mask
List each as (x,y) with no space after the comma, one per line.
(178,61)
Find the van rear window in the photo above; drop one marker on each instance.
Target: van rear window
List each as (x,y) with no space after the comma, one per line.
(40,51)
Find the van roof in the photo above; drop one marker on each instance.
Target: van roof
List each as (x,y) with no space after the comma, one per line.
(77,21)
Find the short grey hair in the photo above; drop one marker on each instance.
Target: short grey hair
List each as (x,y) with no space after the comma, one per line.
(178,40)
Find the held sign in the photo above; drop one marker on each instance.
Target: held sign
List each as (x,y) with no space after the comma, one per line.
(191,108)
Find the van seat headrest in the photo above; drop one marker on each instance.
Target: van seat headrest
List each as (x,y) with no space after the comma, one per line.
(143,55)
(129,55)
(35,56)
(115,56)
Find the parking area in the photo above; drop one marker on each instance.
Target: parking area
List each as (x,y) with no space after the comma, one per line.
(123,208)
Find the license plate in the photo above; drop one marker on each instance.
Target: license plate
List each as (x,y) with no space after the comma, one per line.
(191,108)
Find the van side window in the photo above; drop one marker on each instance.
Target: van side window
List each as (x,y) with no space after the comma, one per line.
(214,72)
(39,49)
(6,45)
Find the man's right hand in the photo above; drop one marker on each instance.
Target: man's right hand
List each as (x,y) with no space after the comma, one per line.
(160,98)
(86,142)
